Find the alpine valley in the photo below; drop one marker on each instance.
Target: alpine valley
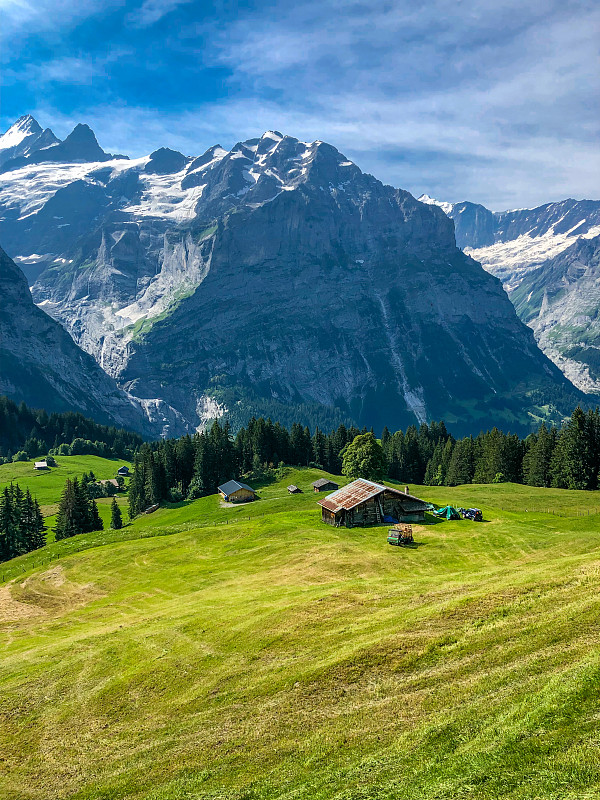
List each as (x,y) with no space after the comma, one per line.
(548,261)
(276,278)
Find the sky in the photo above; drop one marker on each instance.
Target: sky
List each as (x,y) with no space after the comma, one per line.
(496,103)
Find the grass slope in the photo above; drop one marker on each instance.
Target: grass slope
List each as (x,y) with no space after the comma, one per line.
(252,652)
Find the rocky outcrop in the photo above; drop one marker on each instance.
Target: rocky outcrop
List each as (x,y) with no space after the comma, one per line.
(560,301)
(42,366)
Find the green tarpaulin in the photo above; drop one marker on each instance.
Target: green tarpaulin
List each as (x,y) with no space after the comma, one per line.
(447,512)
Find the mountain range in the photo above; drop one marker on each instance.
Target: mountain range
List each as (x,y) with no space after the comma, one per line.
(274,278)
(547,259)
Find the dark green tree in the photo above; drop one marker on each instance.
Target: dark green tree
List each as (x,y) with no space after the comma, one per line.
(116,519)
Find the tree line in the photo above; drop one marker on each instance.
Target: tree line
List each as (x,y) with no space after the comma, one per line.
(21,523)
(27,433)
(188,467)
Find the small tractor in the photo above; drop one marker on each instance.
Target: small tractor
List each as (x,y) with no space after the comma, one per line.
(400,535)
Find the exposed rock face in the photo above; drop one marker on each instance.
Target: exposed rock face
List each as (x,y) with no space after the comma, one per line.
(545,259)
(511,243)
(273,275)
(41,365)
(560,301)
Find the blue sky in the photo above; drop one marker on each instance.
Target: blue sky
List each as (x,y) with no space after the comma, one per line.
(462,99)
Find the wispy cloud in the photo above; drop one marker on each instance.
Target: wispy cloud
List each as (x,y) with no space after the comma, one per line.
(491,102)
(151,11)
(32,16)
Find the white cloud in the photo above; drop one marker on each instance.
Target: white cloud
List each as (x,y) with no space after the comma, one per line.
(32,16)
(471,100)
(151,11)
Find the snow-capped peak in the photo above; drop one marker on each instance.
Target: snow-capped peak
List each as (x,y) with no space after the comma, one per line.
(430,201)
(18,131)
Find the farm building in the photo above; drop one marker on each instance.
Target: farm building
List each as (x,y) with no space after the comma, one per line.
(123,472)
(363,502)
(293,489)
(110,482)
(324,485)
(236,492)
(41,465)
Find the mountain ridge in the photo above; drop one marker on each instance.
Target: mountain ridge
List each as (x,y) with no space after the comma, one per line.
(525,248)
(275,274)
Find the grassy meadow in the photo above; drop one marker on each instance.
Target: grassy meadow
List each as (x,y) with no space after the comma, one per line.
(253,653)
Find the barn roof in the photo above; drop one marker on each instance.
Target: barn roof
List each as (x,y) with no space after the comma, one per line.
(360,490)
(232,486)
(323,482)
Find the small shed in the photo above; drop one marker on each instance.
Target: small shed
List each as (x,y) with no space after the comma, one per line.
(364,502)
(41,465)
(293,489)
(324,485)
(236,492)
(123,472)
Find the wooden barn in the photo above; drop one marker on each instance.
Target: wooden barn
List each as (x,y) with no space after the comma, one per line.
(123,472)
(236,492)
(324,485)
(363,503)
(293,489)
(41,465)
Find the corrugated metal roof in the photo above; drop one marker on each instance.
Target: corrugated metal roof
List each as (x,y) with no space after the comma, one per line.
(232,486)
(360,490)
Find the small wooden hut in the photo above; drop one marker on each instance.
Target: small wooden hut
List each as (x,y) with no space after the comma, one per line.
(363,503)
(236,492)
(324,485)
(293,489)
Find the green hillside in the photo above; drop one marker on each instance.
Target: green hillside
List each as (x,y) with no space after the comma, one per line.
(254,653)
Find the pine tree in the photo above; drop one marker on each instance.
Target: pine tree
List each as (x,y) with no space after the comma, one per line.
(116,520)
(461,466)
(538,458)
(65,527)
(573,461)
(95,523)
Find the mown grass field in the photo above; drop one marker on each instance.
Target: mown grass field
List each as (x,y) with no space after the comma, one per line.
(254,653)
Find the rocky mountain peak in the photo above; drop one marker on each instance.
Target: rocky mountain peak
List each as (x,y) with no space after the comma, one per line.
(24,137)
(165,161)
(26,124)
(81,145)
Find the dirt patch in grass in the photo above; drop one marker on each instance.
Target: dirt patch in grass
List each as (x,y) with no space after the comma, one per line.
(11,609)
(52,591)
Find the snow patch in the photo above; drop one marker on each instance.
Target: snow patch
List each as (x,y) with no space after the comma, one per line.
(430,201)
(511,261)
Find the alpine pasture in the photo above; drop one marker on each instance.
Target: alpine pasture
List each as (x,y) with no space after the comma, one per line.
(253,652)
